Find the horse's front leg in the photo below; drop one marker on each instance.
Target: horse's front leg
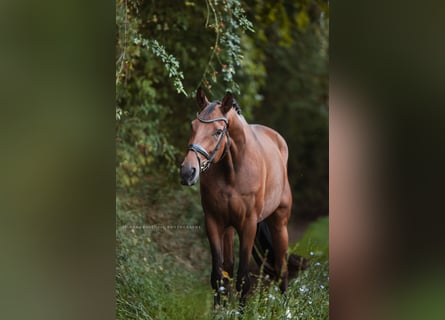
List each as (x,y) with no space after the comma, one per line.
(229,257)
(247,238)
(215,234)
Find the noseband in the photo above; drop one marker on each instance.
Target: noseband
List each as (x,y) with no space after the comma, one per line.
(197,148)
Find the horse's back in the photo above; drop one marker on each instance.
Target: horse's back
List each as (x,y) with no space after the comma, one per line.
(271,139)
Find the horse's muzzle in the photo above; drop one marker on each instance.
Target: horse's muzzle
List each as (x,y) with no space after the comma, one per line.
(189,175)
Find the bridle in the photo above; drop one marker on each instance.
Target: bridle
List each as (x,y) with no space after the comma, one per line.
(197,148)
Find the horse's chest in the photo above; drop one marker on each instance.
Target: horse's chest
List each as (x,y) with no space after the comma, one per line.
(229,204)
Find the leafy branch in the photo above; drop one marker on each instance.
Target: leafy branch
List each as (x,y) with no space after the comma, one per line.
(229,22)
(171,64)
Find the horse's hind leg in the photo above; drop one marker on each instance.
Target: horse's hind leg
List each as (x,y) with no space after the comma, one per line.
(277,224)
(247,237)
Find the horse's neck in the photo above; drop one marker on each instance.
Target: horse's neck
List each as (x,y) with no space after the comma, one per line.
(238,131)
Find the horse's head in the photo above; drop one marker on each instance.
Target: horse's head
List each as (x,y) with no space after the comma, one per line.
(210,140)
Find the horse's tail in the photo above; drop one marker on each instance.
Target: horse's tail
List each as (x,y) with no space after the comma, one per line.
(264,254)
(262,251)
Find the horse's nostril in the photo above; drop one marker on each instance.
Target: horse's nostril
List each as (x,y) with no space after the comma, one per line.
(187,172)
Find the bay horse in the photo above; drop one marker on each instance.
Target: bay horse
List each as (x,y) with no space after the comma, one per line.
(244,186)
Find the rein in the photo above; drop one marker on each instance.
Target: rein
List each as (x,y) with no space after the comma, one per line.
(197,148)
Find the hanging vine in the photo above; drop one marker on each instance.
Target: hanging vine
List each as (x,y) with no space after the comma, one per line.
(229,22)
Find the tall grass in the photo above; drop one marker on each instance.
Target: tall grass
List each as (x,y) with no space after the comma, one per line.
(164,273)
(307,297)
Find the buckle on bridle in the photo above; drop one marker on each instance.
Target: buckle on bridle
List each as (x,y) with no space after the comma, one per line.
(205,165)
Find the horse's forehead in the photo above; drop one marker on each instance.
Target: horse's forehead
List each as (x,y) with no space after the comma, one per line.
(212,109)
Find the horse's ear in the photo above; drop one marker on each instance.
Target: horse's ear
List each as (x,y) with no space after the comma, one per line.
(227,102)
(201,98)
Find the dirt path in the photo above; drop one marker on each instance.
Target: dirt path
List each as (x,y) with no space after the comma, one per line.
(296,229)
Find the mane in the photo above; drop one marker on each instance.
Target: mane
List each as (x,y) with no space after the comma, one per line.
(237,107)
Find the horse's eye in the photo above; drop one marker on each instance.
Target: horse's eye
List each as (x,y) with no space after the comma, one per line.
(218,132)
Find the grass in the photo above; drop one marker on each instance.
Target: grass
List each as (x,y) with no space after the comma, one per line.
(315,240)
(164,273)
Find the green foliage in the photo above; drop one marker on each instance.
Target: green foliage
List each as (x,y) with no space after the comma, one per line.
(226,56)
(141,138)
(169,61)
